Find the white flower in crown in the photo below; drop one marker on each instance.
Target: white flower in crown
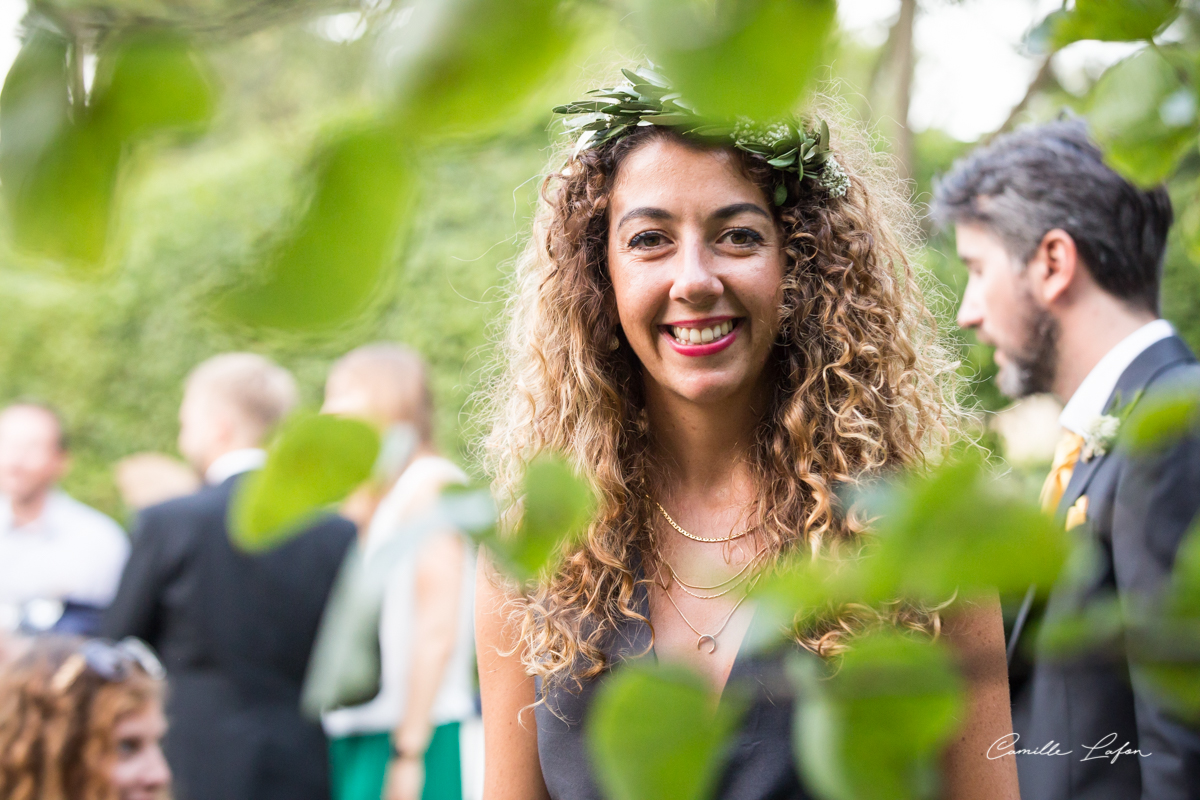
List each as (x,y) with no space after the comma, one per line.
(1099,436)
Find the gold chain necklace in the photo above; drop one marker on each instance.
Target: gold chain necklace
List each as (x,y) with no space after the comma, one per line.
(710,637)
(687,587)
(693,536)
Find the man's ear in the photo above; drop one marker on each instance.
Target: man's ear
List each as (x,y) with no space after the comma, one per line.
(1055,268)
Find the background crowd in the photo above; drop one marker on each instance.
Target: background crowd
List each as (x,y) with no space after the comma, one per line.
(234,630)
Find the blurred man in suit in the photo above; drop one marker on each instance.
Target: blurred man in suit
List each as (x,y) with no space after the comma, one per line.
(234,629)
(1064,259)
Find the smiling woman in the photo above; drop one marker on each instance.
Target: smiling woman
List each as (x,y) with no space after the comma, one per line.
(720,332)
(82,719)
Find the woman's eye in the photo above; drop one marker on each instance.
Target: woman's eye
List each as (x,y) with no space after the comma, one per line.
(647,239)
(743,236)
(127,747)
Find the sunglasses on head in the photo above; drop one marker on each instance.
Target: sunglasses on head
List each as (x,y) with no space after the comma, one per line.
(112,661)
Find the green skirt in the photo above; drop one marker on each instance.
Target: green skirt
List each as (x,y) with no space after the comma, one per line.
(358,765)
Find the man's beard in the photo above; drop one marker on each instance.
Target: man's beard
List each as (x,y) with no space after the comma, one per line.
(1032,369)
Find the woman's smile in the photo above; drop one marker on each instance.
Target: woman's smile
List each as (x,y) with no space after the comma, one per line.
(701,337)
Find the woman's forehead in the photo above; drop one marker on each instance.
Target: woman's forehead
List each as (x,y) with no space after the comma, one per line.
(681,179)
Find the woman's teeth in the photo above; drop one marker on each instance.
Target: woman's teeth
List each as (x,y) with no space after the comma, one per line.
(701,335)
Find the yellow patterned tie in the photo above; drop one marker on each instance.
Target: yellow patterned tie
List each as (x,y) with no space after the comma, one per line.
(1066,455)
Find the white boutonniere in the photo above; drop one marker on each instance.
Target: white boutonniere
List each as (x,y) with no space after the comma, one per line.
(1100,436)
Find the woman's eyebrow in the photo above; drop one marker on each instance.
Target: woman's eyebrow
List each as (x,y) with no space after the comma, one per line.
(740,208)
(645,212)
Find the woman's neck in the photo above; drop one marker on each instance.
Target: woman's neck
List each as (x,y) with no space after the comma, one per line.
(703,447)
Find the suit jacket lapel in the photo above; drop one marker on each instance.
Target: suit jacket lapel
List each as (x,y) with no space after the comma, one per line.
(1137,376)
(1159,356)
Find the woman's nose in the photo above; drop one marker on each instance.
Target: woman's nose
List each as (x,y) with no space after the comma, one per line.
(696,282)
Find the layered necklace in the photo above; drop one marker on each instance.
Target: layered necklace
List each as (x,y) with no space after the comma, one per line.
(743,577)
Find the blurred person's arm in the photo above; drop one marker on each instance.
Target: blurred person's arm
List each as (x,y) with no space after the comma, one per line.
(976,633)
(512,770)
(435,632)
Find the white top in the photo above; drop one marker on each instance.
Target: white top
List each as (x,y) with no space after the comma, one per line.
(455,699)
(1087,404)
(235,462)
(71,552)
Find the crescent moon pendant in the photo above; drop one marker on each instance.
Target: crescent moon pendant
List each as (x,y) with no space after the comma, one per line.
(712,640)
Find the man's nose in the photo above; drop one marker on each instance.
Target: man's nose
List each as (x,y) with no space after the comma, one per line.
(970,313)
(696,282)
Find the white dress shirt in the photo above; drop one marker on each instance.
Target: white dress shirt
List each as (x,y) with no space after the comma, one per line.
(235,462)
(71,552)
(1089,400)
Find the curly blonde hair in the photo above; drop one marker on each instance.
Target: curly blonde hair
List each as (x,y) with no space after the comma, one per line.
(56,743)
(862,384)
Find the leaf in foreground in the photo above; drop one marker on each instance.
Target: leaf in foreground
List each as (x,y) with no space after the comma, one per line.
(315,460)
(1107,20)
(754,58)
(875,728)
(557,509)
(327,269)
(466,66)
(655,732)
(1143,117)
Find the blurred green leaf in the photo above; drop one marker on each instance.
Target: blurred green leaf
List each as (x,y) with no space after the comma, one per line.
(466,66)
(1183,598)
(58,173)
(315,460)
(1135,115)
(656,732)
(1099,625)
(328,268)
(557,509)
(960,529)
(151,82)
(752,58)
(34,106)
(1106,20)
(956,529)
(59,161)
(1158,420)
(874,728)
(1164,640)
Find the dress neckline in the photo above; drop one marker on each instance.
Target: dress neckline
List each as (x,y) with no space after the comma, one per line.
(642,640)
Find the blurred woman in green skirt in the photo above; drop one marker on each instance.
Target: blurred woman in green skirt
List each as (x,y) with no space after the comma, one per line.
(404,743)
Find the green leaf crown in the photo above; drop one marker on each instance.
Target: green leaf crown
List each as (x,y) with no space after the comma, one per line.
(648,99)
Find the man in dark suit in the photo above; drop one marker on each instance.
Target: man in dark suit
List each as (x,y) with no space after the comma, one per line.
(1064,259)
(234,630)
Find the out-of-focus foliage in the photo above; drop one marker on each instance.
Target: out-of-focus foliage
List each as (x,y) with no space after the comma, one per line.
(60,156)
(956,531)
(750,57)
(1144,117)
(872,726)
(1107,20)
(329,268)
(655,732)
(457,66)
(315,460)
(1160,420)
(556,507)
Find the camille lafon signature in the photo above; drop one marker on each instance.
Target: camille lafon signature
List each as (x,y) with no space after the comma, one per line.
(1006,745)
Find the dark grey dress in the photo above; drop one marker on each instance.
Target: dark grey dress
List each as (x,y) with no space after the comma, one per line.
(759,765)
